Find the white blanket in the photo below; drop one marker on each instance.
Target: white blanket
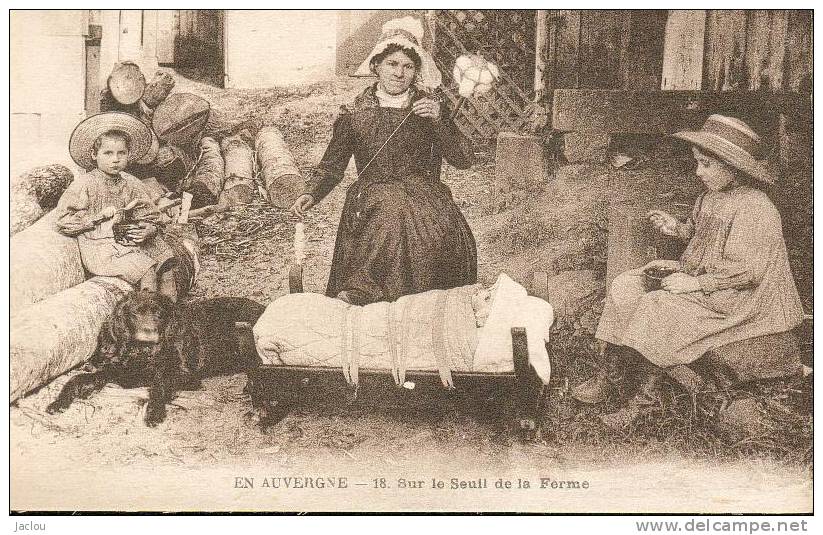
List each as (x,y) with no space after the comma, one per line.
(427,331)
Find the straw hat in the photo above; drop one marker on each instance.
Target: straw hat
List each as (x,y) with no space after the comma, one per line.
(84,135)
(734,142)
(408,33)
(126,82)
(181,118)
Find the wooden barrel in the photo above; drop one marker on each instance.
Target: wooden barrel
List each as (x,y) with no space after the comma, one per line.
(238,187)
(180,119)
(281,177)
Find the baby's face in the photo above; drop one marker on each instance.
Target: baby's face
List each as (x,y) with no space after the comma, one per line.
(112,156)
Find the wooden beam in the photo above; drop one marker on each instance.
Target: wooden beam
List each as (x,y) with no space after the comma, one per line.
(799,52)
(683,50)
(765,48)
(566,71)
(725,52)
(602,40)
(661,112)
(642,61)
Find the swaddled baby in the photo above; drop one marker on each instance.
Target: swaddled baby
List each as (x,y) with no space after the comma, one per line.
(461,329)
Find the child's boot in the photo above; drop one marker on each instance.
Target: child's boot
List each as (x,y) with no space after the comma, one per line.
(608,380)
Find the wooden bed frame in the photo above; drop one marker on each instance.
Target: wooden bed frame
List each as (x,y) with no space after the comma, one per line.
(275,390)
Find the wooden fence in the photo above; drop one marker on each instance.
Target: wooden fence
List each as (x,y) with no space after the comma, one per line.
(505,37)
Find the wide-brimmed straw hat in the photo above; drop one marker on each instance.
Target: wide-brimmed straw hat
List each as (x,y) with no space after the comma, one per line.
(734,142)
(408,33)
(84,135)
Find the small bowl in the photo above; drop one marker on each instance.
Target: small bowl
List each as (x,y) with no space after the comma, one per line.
(654,275)
(120,230)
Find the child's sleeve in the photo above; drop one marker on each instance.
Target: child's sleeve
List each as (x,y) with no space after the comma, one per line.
(685,229)
(755,237)
(73,215)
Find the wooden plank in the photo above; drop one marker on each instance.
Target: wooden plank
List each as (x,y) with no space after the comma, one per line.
(641,62)
(92,97)
(724,64)
(580,110)
(799,52)
(777,48)
(541,42)
(601,39)
(271,369)
(165,36)
(683,49)
(566,72)
(757,47)
(765,48)
(540,285)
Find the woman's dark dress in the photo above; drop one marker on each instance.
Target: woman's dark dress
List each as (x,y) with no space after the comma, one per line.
(400,231)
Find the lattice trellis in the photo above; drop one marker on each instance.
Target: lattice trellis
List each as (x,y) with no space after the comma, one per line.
(506,37)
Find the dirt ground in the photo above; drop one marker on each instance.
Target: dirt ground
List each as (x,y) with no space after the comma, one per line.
(93,456)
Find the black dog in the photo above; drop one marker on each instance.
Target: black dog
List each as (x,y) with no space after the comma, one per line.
(149,341)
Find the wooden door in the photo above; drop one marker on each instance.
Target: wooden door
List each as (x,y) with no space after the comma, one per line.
(165,36)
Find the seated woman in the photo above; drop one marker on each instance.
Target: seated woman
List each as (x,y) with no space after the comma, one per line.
(400,231)
(733,281)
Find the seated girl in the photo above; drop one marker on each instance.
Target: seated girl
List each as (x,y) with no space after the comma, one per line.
(733,281)
(104,144)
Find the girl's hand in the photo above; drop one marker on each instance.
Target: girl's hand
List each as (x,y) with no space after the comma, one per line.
(302,205)
(427,108)
(664,222)
(141,234)
(680,283)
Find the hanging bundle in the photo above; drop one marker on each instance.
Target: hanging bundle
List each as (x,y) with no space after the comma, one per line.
(474,75)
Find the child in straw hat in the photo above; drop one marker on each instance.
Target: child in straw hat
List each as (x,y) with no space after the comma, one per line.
(104,144)
(733,281)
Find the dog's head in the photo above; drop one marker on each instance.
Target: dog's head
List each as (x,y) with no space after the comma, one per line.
(143,318)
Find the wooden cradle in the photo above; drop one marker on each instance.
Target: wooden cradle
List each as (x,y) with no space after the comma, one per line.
(277,389)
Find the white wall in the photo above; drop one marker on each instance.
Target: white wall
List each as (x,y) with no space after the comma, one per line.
(47,89)
(275,48)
